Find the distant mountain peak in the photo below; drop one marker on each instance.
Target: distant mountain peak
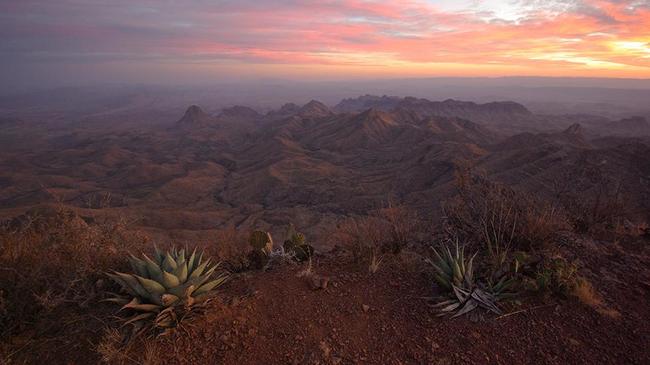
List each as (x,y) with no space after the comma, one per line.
(634,122)
(374,114)
(315,109)
(239,111)
(574,129)
(194,115)
(289,108)
(383,102)
(634,126)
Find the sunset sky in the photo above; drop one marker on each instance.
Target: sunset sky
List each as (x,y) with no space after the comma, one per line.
(146,40)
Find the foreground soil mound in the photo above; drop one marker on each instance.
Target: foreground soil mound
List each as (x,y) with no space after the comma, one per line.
(277,317)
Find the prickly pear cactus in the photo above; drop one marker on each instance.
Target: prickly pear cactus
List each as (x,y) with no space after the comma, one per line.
(261,241)
(303,252)
(295,243)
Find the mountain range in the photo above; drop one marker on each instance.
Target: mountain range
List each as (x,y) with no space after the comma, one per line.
(308,164)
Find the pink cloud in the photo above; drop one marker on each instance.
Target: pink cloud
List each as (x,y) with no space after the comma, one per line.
(590,35)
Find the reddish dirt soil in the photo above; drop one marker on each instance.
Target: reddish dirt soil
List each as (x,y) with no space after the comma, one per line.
(275,317)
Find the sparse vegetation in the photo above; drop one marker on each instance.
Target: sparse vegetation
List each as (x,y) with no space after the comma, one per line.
(386,230)
(296,245)
(498,219)
(52,268)
(318,167)
(51,257)
(362,236)
(556,275)
(401,226)
(375,262)
(158,288)
(591,199)
(518,234)
(262,246)
(454,273)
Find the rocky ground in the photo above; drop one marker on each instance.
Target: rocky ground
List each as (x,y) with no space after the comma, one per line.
(341,314)
(277,317)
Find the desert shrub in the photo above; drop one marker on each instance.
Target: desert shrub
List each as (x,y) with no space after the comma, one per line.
(498,220)
(231,246)
(556,276)
(113,349)
(117,348)
(51,257)
(402,226)
(591,199)
(386,230)
(364,237)
(559,277)
(585,292)
(164,287)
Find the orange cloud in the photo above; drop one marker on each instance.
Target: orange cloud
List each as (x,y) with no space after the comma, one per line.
(346,37)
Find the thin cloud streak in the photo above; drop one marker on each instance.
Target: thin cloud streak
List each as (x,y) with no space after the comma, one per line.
(347,37)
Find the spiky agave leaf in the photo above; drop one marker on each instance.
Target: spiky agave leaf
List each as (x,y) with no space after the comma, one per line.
(170,280)
(452,268)
(160,284)
(181,271)
(199,270)
(139,266)
(153,269)
(454,272)
(136,305)
(210,285)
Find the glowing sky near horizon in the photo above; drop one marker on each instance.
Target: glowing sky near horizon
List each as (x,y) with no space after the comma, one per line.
(148,39)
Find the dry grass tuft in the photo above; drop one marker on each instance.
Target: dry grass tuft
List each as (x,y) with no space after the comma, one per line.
(232,247)
(585,292)
(52,268)
(375,262)
(592,200)
(402,226)
(499,219)
(152,354)
(111,348)
(386,230)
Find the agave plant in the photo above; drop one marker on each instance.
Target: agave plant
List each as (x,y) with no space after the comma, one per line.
(455,273)
(452,269)
(160,286)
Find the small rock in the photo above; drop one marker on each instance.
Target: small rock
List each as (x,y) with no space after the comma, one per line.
(325,348)
(317,282)
(324,281)
(365,307)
